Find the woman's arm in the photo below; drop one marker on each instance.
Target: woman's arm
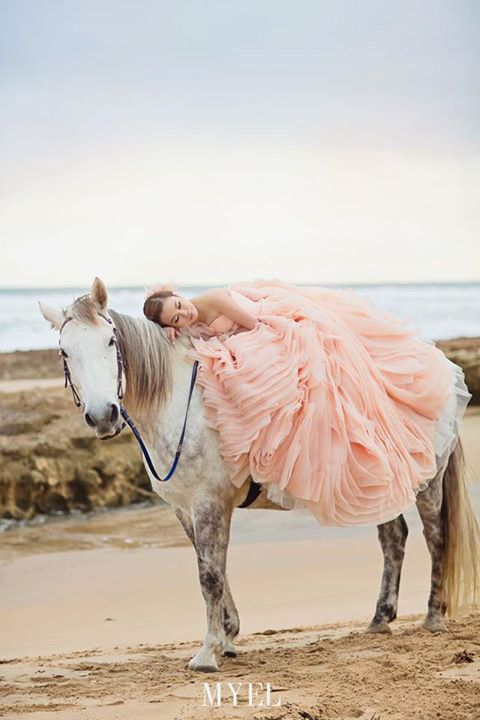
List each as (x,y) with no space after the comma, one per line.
(221,300)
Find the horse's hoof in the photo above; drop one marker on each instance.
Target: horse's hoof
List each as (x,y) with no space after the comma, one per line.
(434,625)
(198,667)
(204,661)
(229,650)
(382,628)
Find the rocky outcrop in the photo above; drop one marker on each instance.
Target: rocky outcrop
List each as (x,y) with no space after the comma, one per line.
(51,462)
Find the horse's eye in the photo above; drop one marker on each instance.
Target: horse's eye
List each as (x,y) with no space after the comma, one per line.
(112,342)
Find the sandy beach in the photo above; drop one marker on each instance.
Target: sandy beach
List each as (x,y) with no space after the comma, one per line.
(101,613)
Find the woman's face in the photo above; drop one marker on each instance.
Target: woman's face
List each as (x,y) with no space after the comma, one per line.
(178,312)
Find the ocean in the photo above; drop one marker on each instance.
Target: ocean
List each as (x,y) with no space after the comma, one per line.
(437,311)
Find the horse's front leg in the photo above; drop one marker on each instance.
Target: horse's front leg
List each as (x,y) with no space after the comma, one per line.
(211,524)
(230,619)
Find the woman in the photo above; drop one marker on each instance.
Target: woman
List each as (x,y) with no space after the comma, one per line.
(174,313)
(333,404)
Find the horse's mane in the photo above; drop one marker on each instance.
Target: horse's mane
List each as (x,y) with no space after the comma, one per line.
(146,352)
(148,363)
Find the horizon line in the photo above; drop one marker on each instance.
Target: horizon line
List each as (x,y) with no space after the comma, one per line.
(401,283)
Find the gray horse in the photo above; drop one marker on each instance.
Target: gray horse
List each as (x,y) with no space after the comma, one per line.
(156,381)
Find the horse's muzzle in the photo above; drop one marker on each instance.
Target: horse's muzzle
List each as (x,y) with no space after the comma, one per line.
(118,430)
(106,424)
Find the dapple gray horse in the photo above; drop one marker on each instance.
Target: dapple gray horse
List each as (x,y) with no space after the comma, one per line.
(155,385)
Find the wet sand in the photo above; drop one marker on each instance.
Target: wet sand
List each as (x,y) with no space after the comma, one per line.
(61,602)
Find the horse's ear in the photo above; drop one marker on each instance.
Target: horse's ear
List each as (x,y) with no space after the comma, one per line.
(99,293)
(51,315)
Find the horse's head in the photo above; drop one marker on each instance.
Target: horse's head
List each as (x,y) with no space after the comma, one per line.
(88,345)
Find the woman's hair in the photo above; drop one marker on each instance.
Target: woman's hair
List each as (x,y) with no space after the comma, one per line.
(153,305)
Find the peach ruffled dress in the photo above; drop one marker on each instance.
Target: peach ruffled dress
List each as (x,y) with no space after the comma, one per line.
(333,404)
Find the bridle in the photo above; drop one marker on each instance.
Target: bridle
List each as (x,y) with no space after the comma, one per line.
(120,366)
(254,487)
(128,420)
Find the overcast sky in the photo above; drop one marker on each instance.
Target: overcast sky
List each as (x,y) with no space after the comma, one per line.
(208,141)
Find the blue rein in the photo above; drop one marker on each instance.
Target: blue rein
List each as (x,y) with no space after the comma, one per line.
(123,412)
(178,452)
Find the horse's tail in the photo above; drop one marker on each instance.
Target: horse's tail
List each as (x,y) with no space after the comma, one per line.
(461,571)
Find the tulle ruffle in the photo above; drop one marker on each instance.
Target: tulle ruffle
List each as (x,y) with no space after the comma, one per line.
(337,407)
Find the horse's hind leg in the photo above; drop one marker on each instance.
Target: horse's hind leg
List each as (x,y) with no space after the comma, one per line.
(392,536)
(230,618)
(429,504)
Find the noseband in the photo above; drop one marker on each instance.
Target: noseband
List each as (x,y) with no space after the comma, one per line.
(128,420)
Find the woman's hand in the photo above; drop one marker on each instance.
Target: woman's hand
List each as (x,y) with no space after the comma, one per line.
(171,333)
